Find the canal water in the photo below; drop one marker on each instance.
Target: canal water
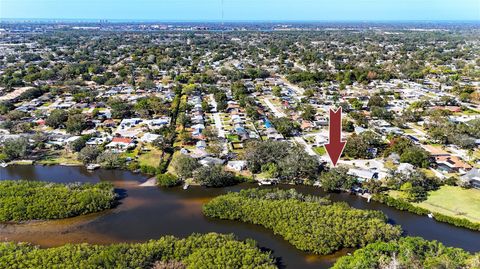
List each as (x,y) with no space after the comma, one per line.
(150,212)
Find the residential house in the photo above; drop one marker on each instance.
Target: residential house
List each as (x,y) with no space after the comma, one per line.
(209,161)
(362,175)
(472,177)
(121,144)
(237,165)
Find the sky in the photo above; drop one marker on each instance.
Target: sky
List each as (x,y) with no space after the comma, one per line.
(243,10)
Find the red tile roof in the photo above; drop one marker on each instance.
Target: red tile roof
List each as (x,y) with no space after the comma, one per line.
(122,140)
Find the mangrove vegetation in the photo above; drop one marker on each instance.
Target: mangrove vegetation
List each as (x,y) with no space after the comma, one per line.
(196,251)
(35,200)
(309,223)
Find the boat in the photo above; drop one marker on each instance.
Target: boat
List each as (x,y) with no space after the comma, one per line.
(430,215)
(265,183)
(3,164)
(185,186)
(93,166)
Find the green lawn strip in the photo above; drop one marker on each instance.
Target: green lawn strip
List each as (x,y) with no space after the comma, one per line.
(319,150)
(454,201)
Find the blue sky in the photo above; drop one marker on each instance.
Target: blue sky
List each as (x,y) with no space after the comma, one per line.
(234,10)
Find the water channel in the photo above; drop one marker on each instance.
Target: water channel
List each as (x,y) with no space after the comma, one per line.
(150,212)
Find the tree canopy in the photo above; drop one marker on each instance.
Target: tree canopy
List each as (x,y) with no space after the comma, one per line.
(408,252)
(308,223)
(33,200)
(196,251)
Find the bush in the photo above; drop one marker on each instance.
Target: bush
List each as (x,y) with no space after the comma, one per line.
(196,251)
(148,170)
(89,154)
(167,180)
(307,223)
(184,166)
(214,176)
(407,252)
(14,148)
(32,200)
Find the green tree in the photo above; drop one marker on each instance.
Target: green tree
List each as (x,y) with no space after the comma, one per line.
(184,166)
(407,252)
(285,126)
(277,91)
(78,144)
(88,154)
(119,108)
(37,200)
(337,179)
(56,118)
(310,223)
(15,148)
(168,180)
(214,176)
(76,123)
(110,160)
(308,112)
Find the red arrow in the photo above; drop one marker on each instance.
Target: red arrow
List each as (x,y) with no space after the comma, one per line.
(335,144)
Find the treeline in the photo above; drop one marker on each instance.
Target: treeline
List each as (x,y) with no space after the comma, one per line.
(281,160)
(408,252)
(308,225)
(406,206)
(248,73)
(196,251)
(31,200)
(346,77)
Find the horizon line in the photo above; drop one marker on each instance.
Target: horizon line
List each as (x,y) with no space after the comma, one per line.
(231,21)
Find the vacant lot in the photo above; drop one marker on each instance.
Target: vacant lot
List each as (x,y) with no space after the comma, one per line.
(455,202)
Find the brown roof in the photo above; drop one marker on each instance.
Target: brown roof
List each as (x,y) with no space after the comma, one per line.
(454,161)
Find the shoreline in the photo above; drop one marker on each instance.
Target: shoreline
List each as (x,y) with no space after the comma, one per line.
(380,198)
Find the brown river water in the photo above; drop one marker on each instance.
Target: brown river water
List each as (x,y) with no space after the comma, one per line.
(149,212)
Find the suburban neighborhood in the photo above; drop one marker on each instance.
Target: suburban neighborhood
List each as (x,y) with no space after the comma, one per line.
(190,105)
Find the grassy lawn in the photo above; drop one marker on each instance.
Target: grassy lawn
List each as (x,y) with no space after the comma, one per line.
(470,112)
(409,131)
(455,202)
(396,194)
(436,145)
(150,158)
(428,172)
(476,154)
(170,168)
(319,150)
(233,138)
(59,157)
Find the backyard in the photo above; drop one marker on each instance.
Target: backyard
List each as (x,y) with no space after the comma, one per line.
(455,202)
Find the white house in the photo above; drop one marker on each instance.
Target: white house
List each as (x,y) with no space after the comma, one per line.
(362,175)
(149,137)
(237,165)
